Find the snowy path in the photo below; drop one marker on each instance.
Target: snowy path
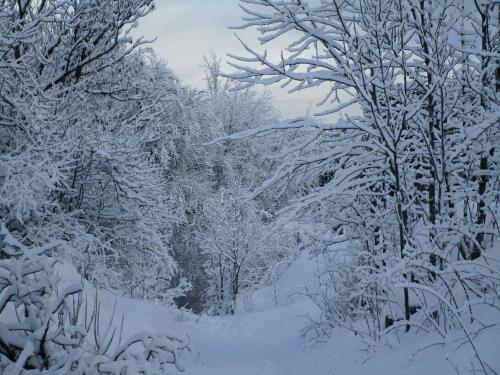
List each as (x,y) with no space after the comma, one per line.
(268,341)
(259,343)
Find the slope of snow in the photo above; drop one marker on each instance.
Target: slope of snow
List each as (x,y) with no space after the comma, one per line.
(288,289)
(268,341)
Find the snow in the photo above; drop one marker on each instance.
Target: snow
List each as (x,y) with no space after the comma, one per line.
(269,341)
(299,276)
(109,162)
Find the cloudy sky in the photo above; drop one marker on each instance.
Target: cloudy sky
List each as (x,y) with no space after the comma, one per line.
(188,29)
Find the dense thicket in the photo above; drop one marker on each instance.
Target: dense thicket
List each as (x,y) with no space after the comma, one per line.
(80,108)
(222,243)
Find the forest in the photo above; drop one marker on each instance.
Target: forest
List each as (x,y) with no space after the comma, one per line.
(149,227)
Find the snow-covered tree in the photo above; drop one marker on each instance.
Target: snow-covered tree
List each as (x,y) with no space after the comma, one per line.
(198,170)
(231,239)
(82,106)
(401,147)
(80,110)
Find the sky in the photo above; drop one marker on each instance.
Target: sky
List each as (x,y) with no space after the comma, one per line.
(185,30)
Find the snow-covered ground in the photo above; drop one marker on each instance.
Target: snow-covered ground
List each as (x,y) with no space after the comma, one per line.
(265,338)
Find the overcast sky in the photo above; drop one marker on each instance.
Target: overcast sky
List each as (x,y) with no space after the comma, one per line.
(188,29)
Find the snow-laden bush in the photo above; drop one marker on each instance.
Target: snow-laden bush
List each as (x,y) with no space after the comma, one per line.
(357,293)
(47,326)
